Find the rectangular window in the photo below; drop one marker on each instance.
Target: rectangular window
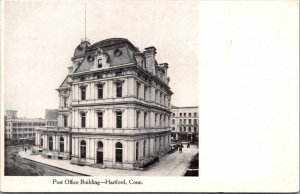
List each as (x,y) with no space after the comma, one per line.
(100,91)
(119,119)
(173,121)
(160,118)
(100,120)
(83,93)
(155,120)
(65,121)
(195,121)
(145,92)
(137,90)
(195,129)
(195,114)
(173,114)
(184,128)
(184,114)
(119,89)
(180,129)
(189,129)
(184,121)
(190,121)
(190,114)
(83,116)
(145,119)
(137,119)
(99,63)
(180,114)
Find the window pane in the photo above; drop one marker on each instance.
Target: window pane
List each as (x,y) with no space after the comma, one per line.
(83,94)
(119,89)
(100,120)
(100,91)
(119,119)
(83,120)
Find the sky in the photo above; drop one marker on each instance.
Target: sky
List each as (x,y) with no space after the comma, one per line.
(41,36)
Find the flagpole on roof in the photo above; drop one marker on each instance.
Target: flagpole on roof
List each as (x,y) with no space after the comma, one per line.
(85,21)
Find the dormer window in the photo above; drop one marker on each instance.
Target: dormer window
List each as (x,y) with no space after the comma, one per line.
(100,63)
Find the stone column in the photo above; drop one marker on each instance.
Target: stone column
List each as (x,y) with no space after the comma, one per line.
(152,146)
(93,88)
(125,118)
(105,118)
(125,89)
(131,86)
(131,151)
(130,115)
(87,147)
(73,146)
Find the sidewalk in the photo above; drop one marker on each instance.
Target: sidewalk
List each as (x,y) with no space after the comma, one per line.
(174,164)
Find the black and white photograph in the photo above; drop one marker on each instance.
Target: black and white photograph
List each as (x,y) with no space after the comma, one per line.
(96,94)
(149,96)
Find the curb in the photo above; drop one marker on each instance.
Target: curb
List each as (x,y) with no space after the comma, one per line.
(55,166)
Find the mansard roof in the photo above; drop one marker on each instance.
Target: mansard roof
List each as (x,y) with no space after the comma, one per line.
(111,42)
(65,82)
(111,47)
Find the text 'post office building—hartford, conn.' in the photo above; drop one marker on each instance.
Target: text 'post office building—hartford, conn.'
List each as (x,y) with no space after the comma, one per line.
(114,107)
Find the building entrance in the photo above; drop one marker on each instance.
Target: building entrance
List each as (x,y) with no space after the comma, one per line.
(100,153)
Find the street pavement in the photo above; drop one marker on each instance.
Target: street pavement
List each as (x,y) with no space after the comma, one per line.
(174,164)
(17,166)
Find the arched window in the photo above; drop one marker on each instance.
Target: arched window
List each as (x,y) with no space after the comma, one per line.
(100,146)
(137,151)
(100,153)
(119,152)
(82,149)
(50,143)
(61,144)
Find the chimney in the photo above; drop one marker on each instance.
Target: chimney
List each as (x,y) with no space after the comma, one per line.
(150,59)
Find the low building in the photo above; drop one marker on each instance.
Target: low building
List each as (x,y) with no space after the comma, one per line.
(184,123)
(20,130)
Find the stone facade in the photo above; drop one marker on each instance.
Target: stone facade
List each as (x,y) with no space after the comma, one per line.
(114,106)
(185,124)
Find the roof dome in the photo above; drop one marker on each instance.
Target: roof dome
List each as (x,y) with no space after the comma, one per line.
(81,48)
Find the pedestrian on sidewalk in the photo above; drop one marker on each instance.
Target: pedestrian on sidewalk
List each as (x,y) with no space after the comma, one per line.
(180,148)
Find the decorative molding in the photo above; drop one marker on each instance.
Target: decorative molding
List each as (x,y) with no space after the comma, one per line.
(118,80)
(83,85)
